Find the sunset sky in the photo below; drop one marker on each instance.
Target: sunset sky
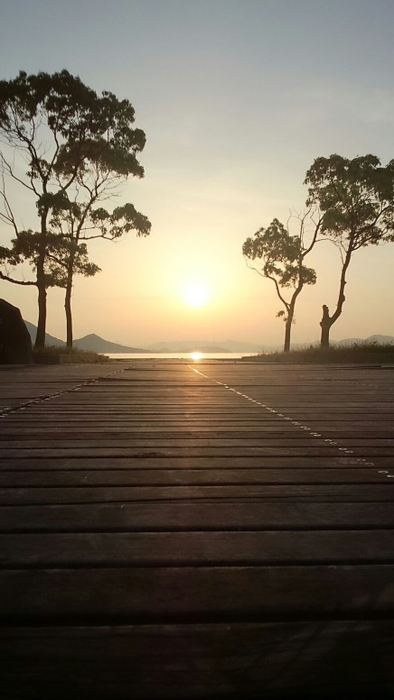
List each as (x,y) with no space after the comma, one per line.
(237,98)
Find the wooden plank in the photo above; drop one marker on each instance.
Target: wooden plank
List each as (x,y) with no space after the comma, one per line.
(162,661)
(126,412)
(120,423)
(349,493)
(268,434)
(162,516)
(171,640)
(160,460)
(299,440)
(196,594)
(170,451)
(140,476)
(220,402)
(196,548)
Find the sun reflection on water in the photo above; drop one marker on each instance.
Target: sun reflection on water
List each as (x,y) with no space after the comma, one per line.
(196,356)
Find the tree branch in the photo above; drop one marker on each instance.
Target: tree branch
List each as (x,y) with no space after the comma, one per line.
(9,170)
(314,238)
(8,217)
(284,302)
(20,282)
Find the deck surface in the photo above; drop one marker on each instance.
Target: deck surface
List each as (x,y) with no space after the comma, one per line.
(216,529)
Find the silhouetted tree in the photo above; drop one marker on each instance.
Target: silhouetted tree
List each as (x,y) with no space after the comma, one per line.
(78,147)
(356,198)
(78,223)
(69,258)
(282,256)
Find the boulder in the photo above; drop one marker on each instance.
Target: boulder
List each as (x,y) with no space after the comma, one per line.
(15,341)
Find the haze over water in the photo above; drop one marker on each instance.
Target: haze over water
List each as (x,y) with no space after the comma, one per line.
(192,356)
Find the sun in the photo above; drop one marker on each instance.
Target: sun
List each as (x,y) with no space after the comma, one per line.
(196,294)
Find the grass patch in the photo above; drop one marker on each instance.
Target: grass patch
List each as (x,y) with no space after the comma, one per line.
(360,353)
(52,355)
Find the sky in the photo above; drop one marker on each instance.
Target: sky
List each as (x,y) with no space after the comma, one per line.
(237,98)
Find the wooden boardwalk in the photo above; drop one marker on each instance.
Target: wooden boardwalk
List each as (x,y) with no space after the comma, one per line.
(195,530)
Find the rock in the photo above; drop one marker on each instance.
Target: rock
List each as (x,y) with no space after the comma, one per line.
(15,342)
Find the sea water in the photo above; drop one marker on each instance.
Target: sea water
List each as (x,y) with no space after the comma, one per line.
(192,356)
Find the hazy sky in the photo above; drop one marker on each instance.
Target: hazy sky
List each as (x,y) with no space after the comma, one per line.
(237,98)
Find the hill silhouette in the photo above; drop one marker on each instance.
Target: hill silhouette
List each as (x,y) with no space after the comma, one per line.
(94,343)
(204,346)
(91,342)
(49,339)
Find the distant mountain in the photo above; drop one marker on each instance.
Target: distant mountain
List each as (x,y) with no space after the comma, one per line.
(91,342)
(346,341)
(49,339)
(240,346)
(202,345)
(94,343)
(176,345)
(379,339)
(204,348)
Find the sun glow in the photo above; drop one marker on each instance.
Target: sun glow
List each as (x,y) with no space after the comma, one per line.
(196,356)
(196,294)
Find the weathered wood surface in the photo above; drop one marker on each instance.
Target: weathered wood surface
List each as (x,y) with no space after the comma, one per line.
(173,533)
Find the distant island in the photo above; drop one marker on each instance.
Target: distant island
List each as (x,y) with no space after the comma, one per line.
(205,346)
(91,342)
(95,343)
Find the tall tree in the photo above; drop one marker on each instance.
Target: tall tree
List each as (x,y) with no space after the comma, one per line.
(356,198)
(69,257)
(78,147)
(282,256)
(77,223)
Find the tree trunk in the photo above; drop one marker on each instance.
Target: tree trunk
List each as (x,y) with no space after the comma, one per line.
(67,303)
(69,322)
(286,347)
(41,284)
(327,320)
(325,324)
(42,311)
(289,320)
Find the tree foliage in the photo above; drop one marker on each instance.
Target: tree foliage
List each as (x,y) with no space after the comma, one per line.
(282,258)
(78,147)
